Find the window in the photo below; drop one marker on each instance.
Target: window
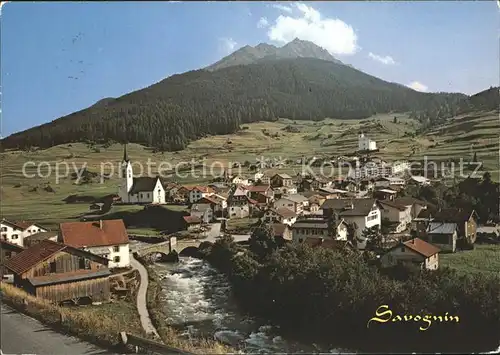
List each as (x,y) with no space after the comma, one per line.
(83,264)
(147,195)
(52,267)
(4,229)
(116,259)
(116,248)
(14,236)
(8,254)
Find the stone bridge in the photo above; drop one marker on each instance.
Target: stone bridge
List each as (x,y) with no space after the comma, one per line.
(169,246)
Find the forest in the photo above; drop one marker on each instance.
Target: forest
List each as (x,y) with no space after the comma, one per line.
(184,107)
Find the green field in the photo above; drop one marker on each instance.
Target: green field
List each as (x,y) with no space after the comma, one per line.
(30,198)
(484,258)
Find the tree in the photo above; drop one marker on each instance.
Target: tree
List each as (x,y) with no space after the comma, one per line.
(373,237)
(262,242)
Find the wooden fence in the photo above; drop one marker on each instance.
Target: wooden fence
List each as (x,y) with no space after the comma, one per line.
(149,345)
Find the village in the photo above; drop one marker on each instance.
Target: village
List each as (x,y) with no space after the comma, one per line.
(365,211)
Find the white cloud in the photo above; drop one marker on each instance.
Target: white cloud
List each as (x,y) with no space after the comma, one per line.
(227,45)
(263,22)
(333,34)
(387,60)
(415,85)
(283,8)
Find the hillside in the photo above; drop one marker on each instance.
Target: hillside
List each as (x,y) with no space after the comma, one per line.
(185,107)
(265,52)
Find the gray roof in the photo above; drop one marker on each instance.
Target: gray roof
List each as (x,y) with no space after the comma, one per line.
(59,278)
(41,236)
(441,228)
(201,207)
(143,184)
(296,198)
(361,206)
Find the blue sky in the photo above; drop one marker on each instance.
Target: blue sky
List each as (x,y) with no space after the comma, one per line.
(58,58)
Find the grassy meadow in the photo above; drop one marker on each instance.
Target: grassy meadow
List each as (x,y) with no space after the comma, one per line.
(484,258)
(41,199)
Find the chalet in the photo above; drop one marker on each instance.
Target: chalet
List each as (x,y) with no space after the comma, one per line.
(296,203)
(198,192)
(281,180)
(191,222)
(399,215)
(414,251)
(203,211)
(237,204)
(217,203)
(264,190)
(38,237)
(318,227)
(280,215)
(180,194)
(59,273)
(106,238)
(443,235)
(360,213)
(7,251)
(15,231)
(281,231)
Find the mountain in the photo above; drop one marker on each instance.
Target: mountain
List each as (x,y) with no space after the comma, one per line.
(265,52)
(185,107)
(486,100)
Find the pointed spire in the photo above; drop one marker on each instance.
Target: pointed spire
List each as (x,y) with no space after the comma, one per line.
(125,157)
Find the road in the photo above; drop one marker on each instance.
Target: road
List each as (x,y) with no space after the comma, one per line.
(21,334)
(214,233)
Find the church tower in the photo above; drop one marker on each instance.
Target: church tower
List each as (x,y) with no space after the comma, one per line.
(127,173)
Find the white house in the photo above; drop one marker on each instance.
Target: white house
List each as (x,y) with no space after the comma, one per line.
(361,213)
(240,180)
(280,215)
(296,203)
(258,176)
(389,181)
(318,227)
(414,251)
(398,214)
(365,143)
(399,167)
(106,238)
(142,189)
(15,231)
(198,192)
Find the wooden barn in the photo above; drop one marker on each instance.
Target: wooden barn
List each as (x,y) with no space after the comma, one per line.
(59,273)
(7,251)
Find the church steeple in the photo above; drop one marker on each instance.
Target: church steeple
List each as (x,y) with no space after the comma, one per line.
(125,156)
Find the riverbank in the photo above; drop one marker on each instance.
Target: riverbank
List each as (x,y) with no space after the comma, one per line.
(328,297)
(169,335)
(99,325)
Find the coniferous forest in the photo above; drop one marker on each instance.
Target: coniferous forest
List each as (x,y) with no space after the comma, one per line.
(184,107)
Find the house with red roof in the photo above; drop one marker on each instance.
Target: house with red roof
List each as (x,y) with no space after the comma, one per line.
(414,251)
(106,238)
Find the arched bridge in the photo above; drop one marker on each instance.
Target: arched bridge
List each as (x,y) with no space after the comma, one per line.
(169,246)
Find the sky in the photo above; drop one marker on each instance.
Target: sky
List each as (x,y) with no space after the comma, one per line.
(58,58)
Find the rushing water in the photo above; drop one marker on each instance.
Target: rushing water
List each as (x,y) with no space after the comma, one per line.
(199,302)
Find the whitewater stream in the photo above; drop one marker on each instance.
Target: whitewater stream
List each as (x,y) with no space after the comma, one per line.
(199,302)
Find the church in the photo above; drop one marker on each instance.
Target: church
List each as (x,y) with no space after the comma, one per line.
(142,189)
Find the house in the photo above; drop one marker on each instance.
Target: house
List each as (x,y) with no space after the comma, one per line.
(385,194)
(399,215)
(314,183)
(237,203)
(285,190)
(316,200)
(365,143)
(280,215)
(106,238)
(143,189)
(418,180)
(203,211)
(265,179)
(258,176)
(367,185)
(360,213)
(240,180)
(180,194)
(58,273)
(282,231)
(7,251)
(415,251)
(296,203)
(256,190)
(191,222)
(318,227)
(15,231)
(444,235)
(198,192)
(216,202)
(466,221)
(416,205)
(38,237)
(281,180)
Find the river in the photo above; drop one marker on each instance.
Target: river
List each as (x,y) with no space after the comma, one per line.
(199,302)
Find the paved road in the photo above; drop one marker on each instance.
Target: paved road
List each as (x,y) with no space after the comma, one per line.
(21,334)
(141,297)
